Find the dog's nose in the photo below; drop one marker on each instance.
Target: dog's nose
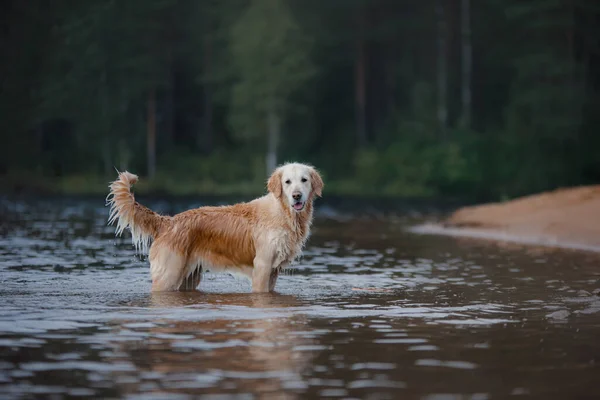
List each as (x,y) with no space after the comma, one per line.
(296,196)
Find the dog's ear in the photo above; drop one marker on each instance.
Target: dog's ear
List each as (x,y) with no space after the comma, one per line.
(274,183)
(316,182)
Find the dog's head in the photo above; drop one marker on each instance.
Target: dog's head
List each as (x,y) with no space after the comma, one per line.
(296,184)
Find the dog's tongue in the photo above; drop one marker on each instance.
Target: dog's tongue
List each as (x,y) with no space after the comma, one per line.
(298,205)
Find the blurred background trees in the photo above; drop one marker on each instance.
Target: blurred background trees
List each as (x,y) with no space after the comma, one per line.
(482,99)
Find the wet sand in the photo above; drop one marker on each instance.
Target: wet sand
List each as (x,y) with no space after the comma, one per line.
(565,218)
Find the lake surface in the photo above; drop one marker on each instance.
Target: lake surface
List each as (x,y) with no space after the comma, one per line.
(369,312)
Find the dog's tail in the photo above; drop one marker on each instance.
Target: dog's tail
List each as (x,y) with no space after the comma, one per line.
(143,223)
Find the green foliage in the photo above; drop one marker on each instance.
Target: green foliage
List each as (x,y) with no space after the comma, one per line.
(270,57)
(415,165)
(75,90)
(108,55)
(218,167)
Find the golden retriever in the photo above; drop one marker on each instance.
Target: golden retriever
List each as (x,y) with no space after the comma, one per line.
(256,239)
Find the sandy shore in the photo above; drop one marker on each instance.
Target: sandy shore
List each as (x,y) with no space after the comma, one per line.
(568,218)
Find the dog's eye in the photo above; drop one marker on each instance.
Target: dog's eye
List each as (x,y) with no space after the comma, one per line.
(304,179)
(288,182)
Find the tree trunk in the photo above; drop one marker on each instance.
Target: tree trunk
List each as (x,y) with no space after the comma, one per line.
(571,51)
(39,140)
(390,85)
(106,156)
(575,81)
(151,134)
(360,83)
(170,100)
(124,155)
(466,64)
(107,137)
(205,138)
(274,126)
(442,74)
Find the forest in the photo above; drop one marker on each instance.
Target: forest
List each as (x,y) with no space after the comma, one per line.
(486,99)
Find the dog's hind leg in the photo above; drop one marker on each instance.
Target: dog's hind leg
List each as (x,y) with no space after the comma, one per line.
(192,280)
(273,279)
(167,269)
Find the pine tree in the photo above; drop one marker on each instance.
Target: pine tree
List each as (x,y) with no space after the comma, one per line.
(271,57)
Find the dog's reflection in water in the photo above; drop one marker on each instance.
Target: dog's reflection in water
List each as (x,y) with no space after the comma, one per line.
(248,343)
(202,299)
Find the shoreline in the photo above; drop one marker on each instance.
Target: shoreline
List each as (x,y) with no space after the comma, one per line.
(499,236)
(167,185)
(567,218)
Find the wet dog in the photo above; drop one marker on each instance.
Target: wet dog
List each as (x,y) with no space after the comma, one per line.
(256,239)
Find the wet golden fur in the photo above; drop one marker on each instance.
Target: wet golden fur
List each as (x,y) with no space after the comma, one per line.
(255,239)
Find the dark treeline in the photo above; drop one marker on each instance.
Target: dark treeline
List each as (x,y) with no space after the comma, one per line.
(485,98)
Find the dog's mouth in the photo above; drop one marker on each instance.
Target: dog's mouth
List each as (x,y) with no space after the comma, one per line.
(298,206)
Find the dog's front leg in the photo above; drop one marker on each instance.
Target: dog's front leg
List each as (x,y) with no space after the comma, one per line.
(261,274)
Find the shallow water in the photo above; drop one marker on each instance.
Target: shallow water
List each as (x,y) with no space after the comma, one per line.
(369,312)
